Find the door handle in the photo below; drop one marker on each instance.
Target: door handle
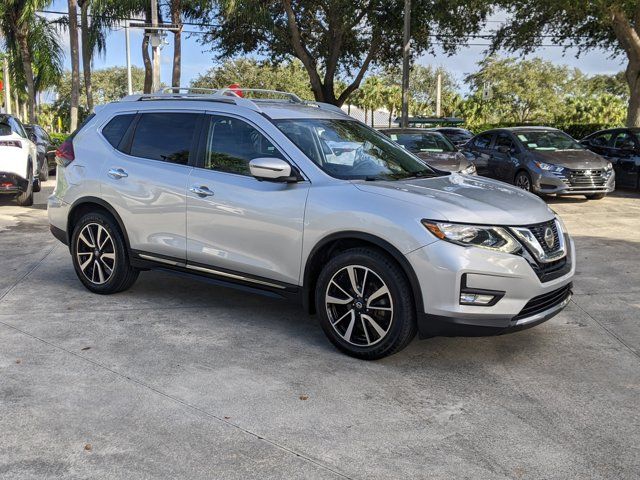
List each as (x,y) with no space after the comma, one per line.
(201,191)
(117,173)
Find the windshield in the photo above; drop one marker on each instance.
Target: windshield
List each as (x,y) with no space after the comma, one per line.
(548,140)
(418,142)
(350,150)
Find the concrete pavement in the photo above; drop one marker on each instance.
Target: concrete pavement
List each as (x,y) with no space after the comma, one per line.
(180,379)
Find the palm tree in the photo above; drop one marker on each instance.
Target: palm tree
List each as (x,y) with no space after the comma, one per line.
(16,20)
(75,62)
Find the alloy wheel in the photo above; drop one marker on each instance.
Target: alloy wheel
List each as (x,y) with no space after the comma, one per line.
(359,305)
(523,182)
(95,253)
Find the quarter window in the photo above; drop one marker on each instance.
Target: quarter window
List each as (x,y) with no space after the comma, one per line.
(116,128)
(232,144)
(164,136)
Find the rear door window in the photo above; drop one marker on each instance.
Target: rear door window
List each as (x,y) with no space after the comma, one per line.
(165,136)
(116,128)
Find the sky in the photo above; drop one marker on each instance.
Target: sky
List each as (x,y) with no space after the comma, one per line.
(196,58)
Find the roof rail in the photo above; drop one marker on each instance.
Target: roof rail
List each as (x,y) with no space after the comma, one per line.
(292,97)
(194,93)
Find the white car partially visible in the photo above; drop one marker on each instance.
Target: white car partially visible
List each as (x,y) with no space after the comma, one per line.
(18,161)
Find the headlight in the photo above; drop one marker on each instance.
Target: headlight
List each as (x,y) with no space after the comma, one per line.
(549,167)
(608,167)
(561,223)
(470,170)
(491,238)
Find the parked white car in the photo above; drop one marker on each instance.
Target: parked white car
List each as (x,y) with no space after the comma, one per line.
(18,161)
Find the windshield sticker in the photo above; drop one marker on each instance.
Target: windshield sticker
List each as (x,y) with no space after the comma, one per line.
(522,137)
(532,145)
(394,137)
(434,150)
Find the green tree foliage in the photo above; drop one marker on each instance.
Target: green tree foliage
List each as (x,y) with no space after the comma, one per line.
(250,73)
(611,25)
(339,39)
(537,91)
(109,85)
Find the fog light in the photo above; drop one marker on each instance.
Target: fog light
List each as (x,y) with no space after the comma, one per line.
(476,299)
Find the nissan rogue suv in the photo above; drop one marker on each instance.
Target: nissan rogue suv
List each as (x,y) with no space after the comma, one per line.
(301,201)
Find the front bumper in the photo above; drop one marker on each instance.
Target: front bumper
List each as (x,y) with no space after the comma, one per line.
(11,183)
(443,269)
(575,182)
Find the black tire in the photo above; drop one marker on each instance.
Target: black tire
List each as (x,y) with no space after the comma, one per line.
(523,181)
(122,275)
(400,328)
(25,199)
(596,196)
(44,171)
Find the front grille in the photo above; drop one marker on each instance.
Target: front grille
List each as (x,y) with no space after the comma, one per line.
(585,179)
(552,270)
(544,302)
(538,232)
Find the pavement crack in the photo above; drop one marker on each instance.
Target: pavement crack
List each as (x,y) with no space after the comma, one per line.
(172,398)
(609,331)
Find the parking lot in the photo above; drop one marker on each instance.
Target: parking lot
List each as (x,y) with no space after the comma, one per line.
(180,379)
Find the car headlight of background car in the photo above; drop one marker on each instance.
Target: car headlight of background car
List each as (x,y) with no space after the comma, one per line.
(469,170)
(491,238)
(550,167)
(608,167)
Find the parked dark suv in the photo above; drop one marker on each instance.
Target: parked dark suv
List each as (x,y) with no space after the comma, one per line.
(541,160)
(621,146)
(42,141)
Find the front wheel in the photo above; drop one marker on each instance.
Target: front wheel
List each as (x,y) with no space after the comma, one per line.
(100,255)
(523,181)
(365,305)
(596,196)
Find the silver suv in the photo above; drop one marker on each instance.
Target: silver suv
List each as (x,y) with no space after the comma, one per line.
(299,200)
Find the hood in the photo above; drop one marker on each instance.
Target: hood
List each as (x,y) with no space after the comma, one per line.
(449,161)
(573,159)
(465,199)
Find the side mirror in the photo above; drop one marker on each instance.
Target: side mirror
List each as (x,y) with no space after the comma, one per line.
(271,169)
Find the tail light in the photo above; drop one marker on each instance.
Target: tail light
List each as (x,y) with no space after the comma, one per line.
(65,154)
(11,143)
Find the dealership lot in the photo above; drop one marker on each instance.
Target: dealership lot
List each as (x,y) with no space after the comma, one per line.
(182,379)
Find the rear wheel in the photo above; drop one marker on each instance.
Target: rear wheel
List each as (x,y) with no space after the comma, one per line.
(100,255)
(596,196)
(523,181)
(25,199)
(364,304)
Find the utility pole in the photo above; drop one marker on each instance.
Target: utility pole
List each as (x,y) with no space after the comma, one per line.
(406,45)
(155,47)
(128,48)
(439,95)
(7,84)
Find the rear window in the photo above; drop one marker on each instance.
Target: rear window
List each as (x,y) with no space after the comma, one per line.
(116,128)
(164,136)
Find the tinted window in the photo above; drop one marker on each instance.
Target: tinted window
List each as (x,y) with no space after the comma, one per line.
(601,140)
(232,144)
(623,140)
(503,140)
(164,136)
(482,141)
(348,149)
(116,128)
(16,126)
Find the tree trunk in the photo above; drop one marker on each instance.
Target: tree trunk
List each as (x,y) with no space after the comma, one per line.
(75,62)
(632,75)
(25,54)
(148,74)
(87,53)
(629,40)
(176,19)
